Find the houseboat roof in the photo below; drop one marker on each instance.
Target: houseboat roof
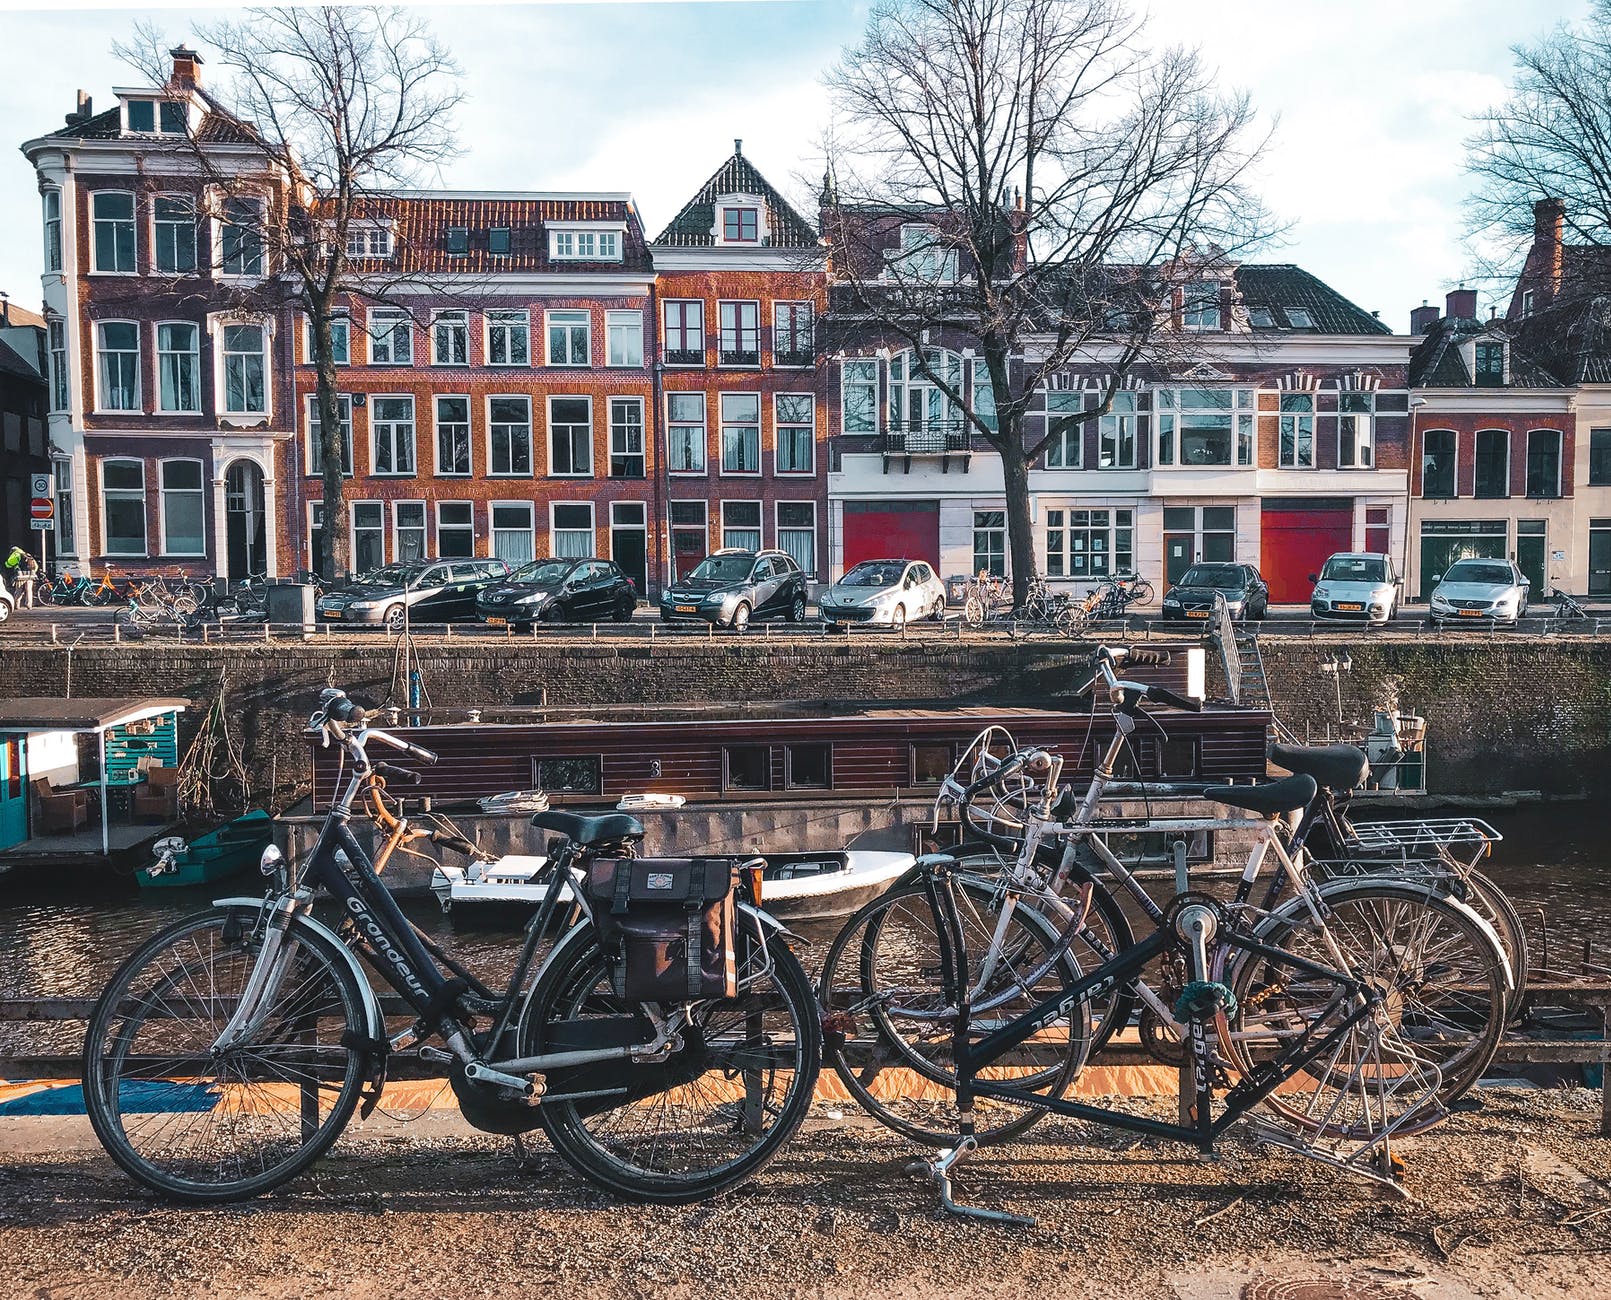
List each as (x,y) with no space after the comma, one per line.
(88,713)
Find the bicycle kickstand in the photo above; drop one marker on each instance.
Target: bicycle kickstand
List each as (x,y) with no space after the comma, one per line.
(939,1173)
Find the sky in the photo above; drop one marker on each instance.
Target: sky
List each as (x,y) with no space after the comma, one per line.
(1369,99)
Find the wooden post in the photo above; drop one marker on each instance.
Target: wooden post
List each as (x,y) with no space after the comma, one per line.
(1605,1076)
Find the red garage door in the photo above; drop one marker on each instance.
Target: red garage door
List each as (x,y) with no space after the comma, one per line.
(892,530)
(1298,536)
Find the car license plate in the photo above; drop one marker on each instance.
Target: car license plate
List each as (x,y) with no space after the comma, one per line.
(495,621)
(332,613)
(1470,613)
(1352,606)
(1196,613)
(687,609)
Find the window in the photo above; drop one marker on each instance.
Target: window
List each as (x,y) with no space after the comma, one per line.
(171,117)
(391,426)
(1297,424)
(1199,306)
(509,431)
(450,339)
(1300,318)
(1065,429)
(585,245)
(316,440)
(685,433)
(53,229)
(244,390)
(498,241)
(408,530)
(458,241)
(1356,430)
(1543,463)
(794,423)
(1599,457)
(1378,524)
(923,256)
(984,394)
(741,525)
(747,767)
(508,338)
(118,356)
(793,334)
(183,530)
(569,775)
(174,222)
(58,365)
(452,435)
(1204,426)
(242,237)
(990,542)
(391,338)
(1116,434)
(178,367)
(858,401)
(1493,463)
(570,435)
(368,536)
(741,225)
(625,330)
(455,528)
(571,530)
(740,333)
(797,533)
(512,532)
(626,437)
(142,114)
(123,494)
(1088,543)
(315,532)
(918,405)
(931,762)
(1527,303)
(1437,463)
(808,767)
(113,219)
(741,433)
(685,333)
(66,537)
(1260,318)
(569,343)
(340,340)
(369,242)
(1490,358)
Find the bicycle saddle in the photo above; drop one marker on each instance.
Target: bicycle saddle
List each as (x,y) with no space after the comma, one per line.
(1337,767)
(1272,797)
(589,830)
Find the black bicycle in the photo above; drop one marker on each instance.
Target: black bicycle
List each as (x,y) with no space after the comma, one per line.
(228,1053)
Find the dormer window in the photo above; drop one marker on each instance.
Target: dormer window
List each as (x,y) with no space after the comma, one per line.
(1300,318)
(923,257)
(147,116)
(142,115)
(741,225)
(1199,308)
(577,245)
(498,240)
(458,241)
(1260,318)
(1490,367)
(369,242)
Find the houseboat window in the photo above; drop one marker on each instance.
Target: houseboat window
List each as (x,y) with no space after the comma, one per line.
(811,766)
(569,775)
(749,767)
(931,764)
(1177,758)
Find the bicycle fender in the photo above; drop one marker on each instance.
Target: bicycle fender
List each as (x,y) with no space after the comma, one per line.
(376,1023)
(770,925)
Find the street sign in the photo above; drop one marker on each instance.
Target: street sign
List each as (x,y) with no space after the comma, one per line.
(42,508)
(43,525)
(42,485)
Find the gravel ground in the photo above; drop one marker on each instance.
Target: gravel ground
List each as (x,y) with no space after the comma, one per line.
(1512,1200)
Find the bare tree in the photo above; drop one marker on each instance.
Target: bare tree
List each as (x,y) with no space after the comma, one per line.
(1065,184)
(335,108)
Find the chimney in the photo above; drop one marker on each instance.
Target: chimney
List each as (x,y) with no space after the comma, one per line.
(186,66)
(1549,245)
(1461,303)
(1423,318)
(84,111)
(738,148)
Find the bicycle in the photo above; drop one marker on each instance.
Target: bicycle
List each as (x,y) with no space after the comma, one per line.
(64,590)
(229,1052)
(1566,609)
(984,598)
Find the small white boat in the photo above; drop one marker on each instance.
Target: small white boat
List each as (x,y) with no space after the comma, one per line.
(795,886)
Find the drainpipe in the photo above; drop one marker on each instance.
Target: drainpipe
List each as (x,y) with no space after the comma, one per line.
(1416,403)
(662,478)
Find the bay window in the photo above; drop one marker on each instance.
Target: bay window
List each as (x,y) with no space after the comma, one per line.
(244,364)
(1200,427)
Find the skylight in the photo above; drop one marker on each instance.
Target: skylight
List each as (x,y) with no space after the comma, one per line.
(1260,318)
(1299,318)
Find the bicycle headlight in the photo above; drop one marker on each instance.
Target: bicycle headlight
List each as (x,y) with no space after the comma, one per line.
(273,865)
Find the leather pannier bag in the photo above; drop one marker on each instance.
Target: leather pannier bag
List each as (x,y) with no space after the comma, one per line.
(666,926)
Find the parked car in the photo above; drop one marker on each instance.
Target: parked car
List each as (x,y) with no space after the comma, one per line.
(891,592)
(431,591)
(1472,590)
(1240,584)
(731,587)
(1356,585)
(7,602)
(558,591)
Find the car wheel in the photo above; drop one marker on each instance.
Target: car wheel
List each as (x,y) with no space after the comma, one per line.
(623,613)
(939,610)
(897,619)
(741,617)
(552,614)
(797,609)
(395,618)
(5,610)
(1264,611)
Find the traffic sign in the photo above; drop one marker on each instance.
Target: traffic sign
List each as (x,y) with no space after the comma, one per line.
(43,525)
(43,508)
(42,485)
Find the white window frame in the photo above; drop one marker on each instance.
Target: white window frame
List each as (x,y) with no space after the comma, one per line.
(145,508)
(164,492)
(723,527)
(629,326)
(139,377)
(397,528)
(682,304)
(1560,464)
(578,242)
(493,530)
(221,366)
(997,530)
(392,319)
(310,407)
(95,223)
(1200,305)
(195,362)
(455,527)
(553,460)
(52,213)
(446,317)
(341,322)
(1301,422)
(872,385)
(1057,444)
(436,435)
(642,453)
(738,305)
(1111,426)
(508,321)
(778,530)
(1243,412)
(981,387)
(156,239)
(369,241)
(314,522)
(1060,520)
(703,444)
(221,228)
(531,445)
(352,531)
(568,325)
(1362,442)
(61,388)
(721,433)
(778,426)
(373,408)
(592,528)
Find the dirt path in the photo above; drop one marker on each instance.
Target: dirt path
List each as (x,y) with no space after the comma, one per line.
(1512,1201)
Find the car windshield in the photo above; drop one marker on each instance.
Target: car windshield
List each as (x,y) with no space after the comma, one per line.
(873,573)
(1477,571)
(723,568)
(545,573)
(389,575)
(1213,575)
(1354,568)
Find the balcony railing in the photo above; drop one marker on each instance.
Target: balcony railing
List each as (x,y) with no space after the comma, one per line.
(793,348)
(740,356)
(935,438)
(685,356)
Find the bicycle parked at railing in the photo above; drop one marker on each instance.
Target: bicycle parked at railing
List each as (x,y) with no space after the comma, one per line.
(64,589)
(1565,608)
(985,597)
(228,1053)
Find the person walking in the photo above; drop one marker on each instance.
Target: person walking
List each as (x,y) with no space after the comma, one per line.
(24,574)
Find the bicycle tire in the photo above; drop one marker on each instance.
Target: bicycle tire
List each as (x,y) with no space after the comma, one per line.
(1140,592)
(195,1083)
(973,611)
(575,981)
(1495,907)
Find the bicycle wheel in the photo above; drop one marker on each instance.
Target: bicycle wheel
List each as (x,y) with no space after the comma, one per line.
(973,611)
(1438,969)
(888,1028)
(711,1115)
(1140,592)
(1485,897)
(204,1125)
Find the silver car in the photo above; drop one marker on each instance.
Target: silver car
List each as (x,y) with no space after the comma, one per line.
(1358,585)
(1474,590)
(889,592)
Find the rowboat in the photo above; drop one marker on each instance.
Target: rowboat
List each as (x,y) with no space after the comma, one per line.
(221,852)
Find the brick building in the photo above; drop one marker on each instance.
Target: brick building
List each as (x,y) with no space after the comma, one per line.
(24,438)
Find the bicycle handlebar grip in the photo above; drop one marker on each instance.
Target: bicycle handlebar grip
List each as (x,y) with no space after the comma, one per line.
(401,775)
(1008,767)
(1148,657)
(1163,695)
(424,755)
(455,842)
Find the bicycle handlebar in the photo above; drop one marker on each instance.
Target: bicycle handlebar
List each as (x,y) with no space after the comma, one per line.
(1163,695)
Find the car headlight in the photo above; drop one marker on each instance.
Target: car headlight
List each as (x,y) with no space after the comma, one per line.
(1171,603)
(1322,592)
(1440,602)
(363,606)
(532,598)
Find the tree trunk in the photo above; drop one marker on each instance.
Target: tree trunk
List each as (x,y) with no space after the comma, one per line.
(1020,527)
(331,562)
